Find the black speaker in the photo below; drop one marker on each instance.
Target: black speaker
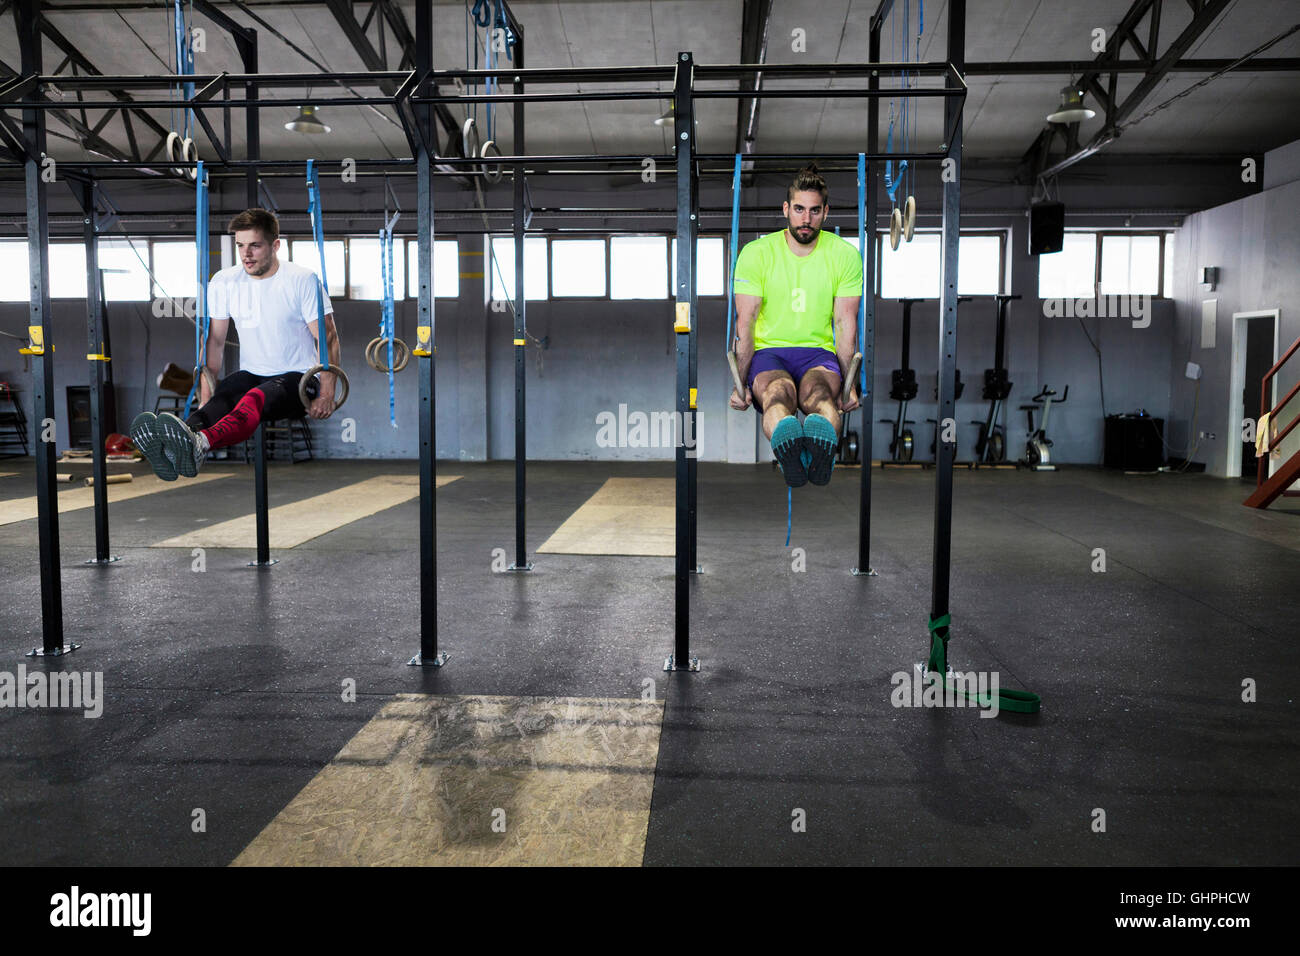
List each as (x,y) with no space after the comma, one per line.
(1046,227)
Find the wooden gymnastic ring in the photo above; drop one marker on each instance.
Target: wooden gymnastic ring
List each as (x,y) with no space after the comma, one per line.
(190,153)
(174,140)
(307,376)
(211,380)
(909,218)
(491,173)
(401,354)
(895,228)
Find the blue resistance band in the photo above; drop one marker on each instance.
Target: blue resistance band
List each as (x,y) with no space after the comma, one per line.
(388,311)
(735,248)
(318,233)
(201,317)
(184,58)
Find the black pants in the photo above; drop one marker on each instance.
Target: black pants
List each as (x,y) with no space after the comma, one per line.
(281,393)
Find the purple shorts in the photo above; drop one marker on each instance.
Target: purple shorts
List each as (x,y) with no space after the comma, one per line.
(795,361)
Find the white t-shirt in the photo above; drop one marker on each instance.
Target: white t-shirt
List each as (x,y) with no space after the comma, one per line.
(271,315)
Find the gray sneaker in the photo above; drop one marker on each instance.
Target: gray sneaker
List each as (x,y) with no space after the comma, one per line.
(146,437)
(186,448)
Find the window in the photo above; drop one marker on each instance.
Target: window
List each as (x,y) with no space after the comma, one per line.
(446,268)
(1070,273)
(710,266)
(979,265)
(912,270)
(915,270)
(132,283)
(578,268)
(303,252)
(501,262)
(174,270)
(1130,265)
(14,274)
(638,267)
(365,272)
(68,270)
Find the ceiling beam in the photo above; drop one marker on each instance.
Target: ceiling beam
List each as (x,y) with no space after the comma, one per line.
(1208,13)
(345,16)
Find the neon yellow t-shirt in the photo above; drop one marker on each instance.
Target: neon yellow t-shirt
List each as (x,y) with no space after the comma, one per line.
(799,292)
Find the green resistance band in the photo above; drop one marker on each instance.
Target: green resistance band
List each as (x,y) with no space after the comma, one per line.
(1016,701)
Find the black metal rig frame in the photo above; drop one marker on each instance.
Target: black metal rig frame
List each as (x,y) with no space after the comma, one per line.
(417,103)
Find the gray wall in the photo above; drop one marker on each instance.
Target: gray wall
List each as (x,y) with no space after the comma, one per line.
(1255,243)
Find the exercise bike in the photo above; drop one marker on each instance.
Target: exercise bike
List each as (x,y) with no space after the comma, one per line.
(1038,450)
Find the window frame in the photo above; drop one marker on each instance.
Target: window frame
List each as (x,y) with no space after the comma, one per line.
(1128,234)
(1001,234)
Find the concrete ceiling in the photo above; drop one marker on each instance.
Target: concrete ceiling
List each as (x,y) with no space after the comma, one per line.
(1236,114)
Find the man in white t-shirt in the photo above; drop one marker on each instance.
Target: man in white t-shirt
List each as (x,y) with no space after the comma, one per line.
(275,309)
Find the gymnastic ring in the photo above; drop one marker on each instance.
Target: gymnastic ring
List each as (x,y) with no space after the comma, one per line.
(895,228)
(401,354)
(307,376)
(909,218)
(468,135)
(209,377)
(190,153)
(491,173)
(174,140)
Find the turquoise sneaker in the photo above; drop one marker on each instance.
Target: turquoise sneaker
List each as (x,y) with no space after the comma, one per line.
(787,448)
(819,442)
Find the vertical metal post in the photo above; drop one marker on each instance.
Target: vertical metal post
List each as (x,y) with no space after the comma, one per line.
(692,462)
(40,326)
(424,350)
(521,562)
(97,355)
(252,130)
(868,344)
(944,451)
(684,318)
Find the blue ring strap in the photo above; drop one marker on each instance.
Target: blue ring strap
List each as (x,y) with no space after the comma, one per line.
(735,251)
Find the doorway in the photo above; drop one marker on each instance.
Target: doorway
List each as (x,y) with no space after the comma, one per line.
(1254,350)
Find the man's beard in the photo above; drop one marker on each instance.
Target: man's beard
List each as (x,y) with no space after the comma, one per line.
(806,239)
(259,269)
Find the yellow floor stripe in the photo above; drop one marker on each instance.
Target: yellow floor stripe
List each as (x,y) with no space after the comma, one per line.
(626,516)
(474,781)
(292,524)
(74,499)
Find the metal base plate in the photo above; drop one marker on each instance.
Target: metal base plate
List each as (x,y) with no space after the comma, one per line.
(869,573)
(698,569)
(670,664)
(108,560)
(526,567)
(259,564)
(436,661)
(57,652)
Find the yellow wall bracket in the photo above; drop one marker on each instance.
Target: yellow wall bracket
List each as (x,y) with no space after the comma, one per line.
(683,320)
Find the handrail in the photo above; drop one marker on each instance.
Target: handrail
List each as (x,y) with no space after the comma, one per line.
(1277,437)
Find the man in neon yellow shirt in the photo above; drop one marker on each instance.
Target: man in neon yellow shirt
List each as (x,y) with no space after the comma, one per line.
(790,286)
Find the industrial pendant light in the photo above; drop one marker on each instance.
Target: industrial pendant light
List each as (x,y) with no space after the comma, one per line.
(1071,109)
(306,122)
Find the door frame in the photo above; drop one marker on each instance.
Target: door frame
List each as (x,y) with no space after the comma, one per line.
(1237,382)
